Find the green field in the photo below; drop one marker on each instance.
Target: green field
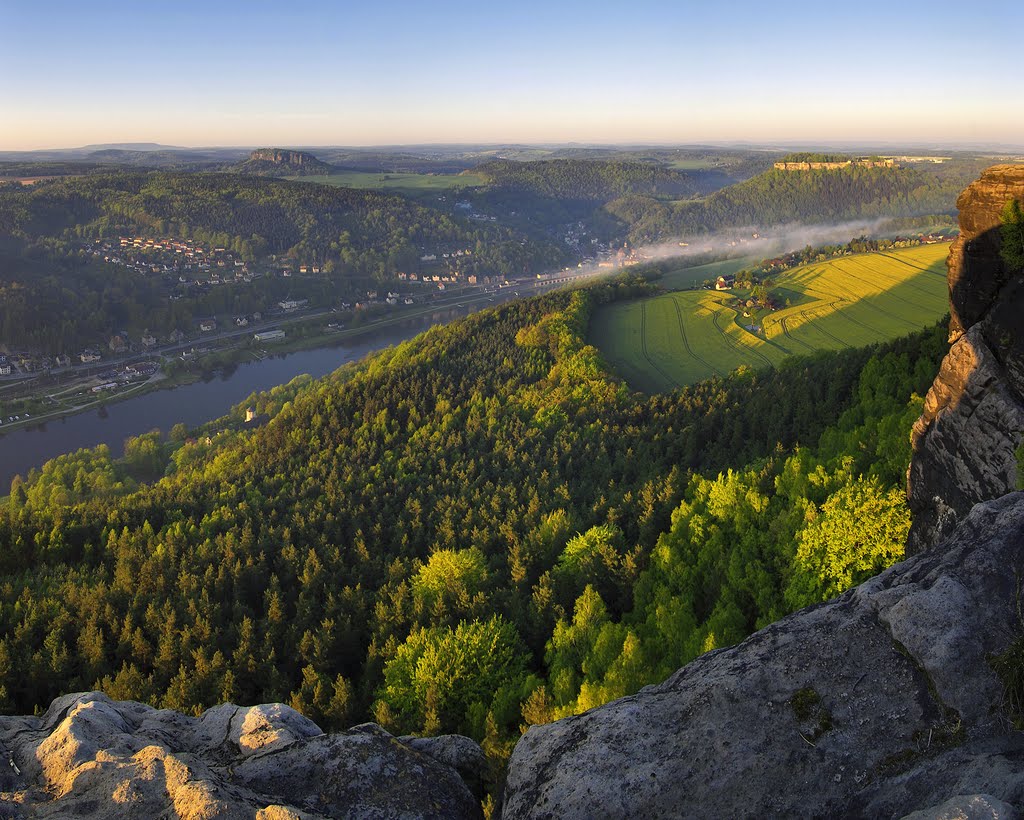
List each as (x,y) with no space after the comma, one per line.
(408,184)
(685,278)
(679,338)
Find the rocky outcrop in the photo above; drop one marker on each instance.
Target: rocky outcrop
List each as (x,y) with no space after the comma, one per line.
(89,756)
(973,418)
(879,703)
(282,161)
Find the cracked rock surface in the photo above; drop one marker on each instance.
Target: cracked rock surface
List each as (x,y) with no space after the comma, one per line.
(973,416)
(88,756)
(879,703)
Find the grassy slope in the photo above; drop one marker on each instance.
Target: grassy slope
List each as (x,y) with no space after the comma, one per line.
(679,338)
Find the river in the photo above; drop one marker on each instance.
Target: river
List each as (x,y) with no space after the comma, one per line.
(192,404)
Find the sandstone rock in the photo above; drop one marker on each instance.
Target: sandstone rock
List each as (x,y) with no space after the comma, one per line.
(460,752)
(965,441)
(90,756)
(973,418)
(878,703)
(967,807)
(976,273)
(268,727)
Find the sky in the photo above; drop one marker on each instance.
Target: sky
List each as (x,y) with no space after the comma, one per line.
(306,73)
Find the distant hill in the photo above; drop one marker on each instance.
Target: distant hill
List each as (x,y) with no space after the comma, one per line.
(778,197)
(282,162)
(131,146)
(582,179)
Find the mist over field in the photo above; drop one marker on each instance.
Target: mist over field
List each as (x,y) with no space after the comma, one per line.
(750,240)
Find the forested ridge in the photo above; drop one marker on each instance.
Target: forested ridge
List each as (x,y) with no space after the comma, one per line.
(474,531)
(597,179)
(365,231)
(55,296)
(778,197)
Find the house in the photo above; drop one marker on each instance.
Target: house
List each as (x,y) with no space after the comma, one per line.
(725,282)
(63,360)
(206,325)
(117,344)
(5,368)
(89,355)
(268,335)
(148,341)
(241,321)
(289,305)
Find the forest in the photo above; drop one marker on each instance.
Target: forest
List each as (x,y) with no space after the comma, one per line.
(474,531)
(810,197)
(601,180)
(358,238)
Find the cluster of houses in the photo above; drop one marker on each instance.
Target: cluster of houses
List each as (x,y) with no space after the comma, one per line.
(172,256)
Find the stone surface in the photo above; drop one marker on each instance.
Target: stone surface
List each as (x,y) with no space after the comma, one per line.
(973,418)
(90,756)
(460,752)
(967,807)
(879,703)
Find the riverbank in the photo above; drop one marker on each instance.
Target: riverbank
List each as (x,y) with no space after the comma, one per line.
(37,399)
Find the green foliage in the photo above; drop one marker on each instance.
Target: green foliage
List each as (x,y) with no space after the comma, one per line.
(1012,235)
(860,530)
(778,197)
(459,502)
(1009,666)
(54,296)
(450,579)
(442,680)
(677,338)
(576,179)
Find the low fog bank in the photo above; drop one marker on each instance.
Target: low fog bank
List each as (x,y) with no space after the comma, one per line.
(767,242)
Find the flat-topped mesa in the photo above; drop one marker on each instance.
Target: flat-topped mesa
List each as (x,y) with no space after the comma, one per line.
(282,156)
(965,442)
(282,161)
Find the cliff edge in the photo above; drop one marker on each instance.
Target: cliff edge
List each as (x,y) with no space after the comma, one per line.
(973,421)
(88,756)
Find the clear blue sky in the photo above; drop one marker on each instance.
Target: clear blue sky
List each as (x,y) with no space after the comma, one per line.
(360,73)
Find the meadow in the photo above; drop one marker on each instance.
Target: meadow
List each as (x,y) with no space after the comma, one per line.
(684,336)
(408,184)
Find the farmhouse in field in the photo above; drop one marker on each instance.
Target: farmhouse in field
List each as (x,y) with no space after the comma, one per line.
(725,282)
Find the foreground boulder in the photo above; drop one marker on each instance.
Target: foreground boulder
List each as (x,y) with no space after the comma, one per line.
(879,703)
(91,757)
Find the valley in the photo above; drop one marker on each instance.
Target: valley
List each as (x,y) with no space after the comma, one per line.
(685,336)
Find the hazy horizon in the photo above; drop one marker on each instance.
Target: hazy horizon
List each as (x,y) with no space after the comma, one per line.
(322,74)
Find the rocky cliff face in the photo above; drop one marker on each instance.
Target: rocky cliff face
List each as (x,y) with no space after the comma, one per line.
(281,161)
(280,156)
(974,413)
(91,757)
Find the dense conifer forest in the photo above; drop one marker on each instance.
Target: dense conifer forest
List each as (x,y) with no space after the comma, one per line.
(474,531)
